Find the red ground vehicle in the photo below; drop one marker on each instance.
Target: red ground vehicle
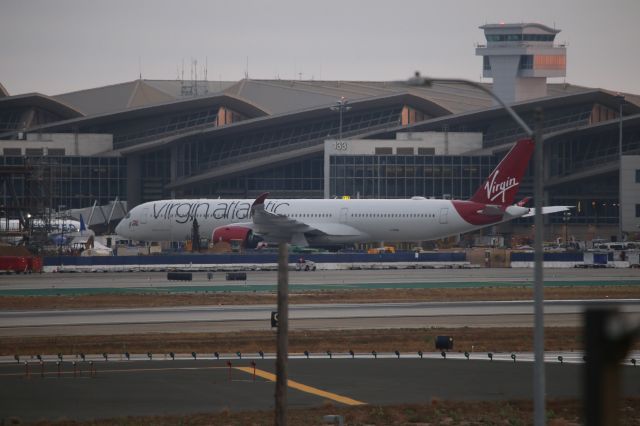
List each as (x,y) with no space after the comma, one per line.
(15,264)
(34,263)
(20,264)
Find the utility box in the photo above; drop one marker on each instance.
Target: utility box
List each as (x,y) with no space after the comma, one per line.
(444,343)
(595,259)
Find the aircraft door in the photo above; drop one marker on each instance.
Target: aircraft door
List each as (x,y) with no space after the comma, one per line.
(344,212)
(444,212)
(145,215)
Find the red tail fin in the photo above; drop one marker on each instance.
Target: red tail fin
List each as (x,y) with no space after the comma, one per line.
(502,184)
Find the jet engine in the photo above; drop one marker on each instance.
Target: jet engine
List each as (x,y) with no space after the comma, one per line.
(236,233)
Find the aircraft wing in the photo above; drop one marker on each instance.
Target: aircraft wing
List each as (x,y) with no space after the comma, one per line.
(549,209)
(280,227)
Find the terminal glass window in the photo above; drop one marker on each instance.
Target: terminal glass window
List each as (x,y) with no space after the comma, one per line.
(426,151)
(47,182)
(384,151)
(405,176)
(526,62)
(520,37)
(219,151)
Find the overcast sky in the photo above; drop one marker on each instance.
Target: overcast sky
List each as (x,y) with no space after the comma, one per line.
(65,45)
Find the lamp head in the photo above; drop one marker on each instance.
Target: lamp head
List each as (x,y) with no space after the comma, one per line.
(418,80)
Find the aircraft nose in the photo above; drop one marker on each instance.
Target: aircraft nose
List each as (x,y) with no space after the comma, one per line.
(120,227)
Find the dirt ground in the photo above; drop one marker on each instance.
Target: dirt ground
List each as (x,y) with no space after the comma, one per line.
(363,341)
(434,412)
(337,296)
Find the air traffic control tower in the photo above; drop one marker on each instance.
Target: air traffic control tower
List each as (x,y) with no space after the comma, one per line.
(519,58)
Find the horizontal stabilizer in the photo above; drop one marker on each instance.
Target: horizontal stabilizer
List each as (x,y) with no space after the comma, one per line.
(549,209)
(492,210)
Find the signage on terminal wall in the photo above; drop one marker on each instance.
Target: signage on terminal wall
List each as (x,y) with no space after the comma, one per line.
(341,146)
(274,318)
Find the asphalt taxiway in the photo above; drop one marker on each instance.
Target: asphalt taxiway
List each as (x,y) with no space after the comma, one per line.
(182,387)
(303,316)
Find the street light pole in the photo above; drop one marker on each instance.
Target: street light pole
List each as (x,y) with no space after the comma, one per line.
(620,231)
(566,216)
(282,339)
(538,289)
(539,402)
(340,106)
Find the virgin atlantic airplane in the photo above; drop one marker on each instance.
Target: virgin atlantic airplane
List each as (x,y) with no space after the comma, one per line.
(309,222)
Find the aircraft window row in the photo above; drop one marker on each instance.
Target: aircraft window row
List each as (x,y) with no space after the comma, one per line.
(311,215)
(403,215)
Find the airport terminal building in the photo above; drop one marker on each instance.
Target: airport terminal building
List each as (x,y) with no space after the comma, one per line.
(150,139)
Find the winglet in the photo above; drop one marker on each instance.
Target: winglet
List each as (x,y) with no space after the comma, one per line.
(523,202)
(260,200)
(82,225)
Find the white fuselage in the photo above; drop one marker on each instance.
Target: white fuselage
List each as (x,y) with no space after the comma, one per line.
(373,220)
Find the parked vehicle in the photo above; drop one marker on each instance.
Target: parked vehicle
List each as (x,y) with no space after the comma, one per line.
(305,265)
(14,264)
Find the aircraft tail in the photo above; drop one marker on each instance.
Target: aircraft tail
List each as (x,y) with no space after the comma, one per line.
(503,183)
(82,225)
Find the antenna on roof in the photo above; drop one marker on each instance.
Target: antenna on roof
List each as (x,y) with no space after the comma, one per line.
(139,67)
(195,74)
(246,70)
(206,66)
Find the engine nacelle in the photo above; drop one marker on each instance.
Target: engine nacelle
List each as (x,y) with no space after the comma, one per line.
(229,233)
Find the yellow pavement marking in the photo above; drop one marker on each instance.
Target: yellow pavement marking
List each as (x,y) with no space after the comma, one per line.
(304,388)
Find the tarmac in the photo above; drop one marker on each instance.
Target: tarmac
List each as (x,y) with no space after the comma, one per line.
(137,388)
(114,388)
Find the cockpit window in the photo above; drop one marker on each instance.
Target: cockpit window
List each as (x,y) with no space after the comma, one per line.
(128,216)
